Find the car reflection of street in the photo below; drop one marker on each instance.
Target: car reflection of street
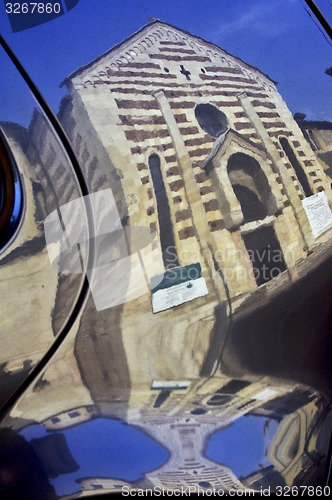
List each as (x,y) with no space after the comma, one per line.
(287,334)
(200,382)
(173,434)
(35,297)
(102,447)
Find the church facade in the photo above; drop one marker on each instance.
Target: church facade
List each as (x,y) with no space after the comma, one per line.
(207,201)
(199,147)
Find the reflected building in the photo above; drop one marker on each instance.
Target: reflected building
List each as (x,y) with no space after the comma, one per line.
(293,449)
(25,262)
(205,153)
(185,425)
(202,151)
(319,135)
(199,148)
(183,420)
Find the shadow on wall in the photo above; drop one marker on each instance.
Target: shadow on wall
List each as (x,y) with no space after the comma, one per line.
(289,337)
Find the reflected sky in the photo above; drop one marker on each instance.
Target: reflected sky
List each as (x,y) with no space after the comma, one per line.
(278,37)
(16,101)
(243,445)
(104,448)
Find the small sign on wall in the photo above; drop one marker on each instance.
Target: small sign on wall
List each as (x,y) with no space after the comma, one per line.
(318,213)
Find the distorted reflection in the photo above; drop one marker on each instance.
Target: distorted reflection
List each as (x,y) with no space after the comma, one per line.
(183,441)
(185,363)
(102,447)
(35,303)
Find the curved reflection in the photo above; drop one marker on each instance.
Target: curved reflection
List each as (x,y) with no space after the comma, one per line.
(255,440)
(102,447)
(189,371)
(11,195)
(36,299)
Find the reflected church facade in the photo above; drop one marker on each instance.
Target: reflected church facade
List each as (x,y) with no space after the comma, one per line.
(198,147)
(204,151)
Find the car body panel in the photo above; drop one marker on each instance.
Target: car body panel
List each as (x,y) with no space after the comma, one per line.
(120,373)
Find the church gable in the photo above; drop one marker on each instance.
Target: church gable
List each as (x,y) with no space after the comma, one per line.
(159,45)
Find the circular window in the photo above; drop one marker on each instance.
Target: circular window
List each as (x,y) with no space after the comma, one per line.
(10,196)
(211,119)
(204,484)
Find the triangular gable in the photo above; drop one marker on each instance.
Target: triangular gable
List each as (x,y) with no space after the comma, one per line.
(146,40)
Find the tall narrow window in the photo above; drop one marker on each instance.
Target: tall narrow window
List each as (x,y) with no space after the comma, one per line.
(168,247)
(300,174)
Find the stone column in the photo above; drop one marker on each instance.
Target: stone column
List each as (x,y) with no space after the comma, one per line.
(192,190)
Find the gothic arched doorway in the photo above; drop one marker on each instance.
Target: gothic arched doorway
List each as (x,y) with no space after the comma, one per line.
(253,192)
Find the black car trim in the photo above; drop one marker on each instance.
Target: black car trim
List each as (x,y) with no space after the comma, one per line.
(83,186)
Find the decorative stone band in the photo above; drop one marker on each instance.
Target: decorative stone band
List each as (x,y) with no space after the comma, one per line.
(177,286)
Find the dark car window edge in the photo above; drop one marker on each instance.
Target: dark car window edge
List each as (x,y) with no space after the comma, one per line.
(84,189)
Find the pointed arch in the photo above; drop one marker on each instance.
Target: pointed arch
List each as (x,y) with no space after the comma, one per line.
(253,192)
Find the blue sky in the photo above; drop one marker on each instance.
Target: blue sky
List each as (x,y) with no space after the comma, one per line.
(248,437)
(277,36)
(104,447)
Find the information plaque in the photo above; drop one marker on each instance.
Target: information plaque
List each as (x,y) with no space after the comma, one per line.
(177,286)
(318,213)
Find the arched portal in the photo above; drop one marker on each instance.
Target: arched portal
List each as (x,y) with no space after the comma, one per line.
(253,192)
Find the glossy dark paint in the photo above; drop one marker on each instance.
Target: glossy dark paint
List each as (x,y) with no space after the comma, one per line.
(53,438)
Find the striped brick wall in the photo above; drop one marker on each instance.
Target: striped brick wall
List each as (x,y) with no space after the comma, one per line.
(190,72)
(120,94)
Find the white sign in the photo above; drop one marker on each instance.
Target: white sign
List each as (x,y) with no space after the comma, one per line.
(170,385)
(265,394)
(178,294)
(318,212)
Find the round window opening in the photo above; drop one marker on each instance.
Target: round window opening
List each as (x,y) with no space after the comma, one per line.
(211,119)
